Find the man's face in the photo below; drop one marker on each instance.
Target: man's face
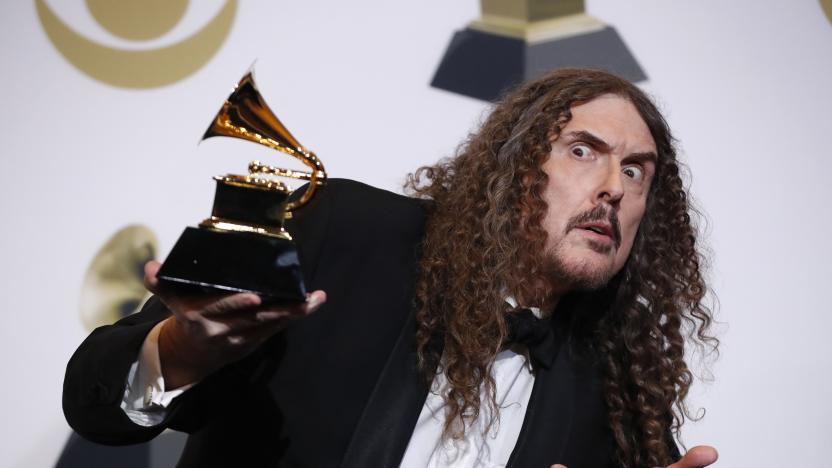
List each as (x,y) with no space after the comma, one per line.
(600,170)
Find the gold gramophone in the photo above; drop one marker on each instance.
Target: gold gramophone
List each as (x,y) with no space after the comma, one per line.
(242,246)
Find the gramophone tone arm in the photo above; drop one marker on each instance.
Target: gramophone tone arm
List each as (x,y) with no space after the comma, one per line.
(256,167)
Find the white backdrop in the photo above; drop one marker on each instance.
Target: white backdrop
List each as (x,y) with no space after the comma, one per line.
(745,86)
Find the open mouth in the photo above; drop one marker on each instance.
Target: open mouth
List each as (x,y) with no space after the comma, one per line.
(600,225)
(600,232)
(598,229)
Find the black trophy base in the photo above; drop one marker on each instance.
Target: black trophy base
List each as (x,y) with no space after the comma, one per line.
(236,262)
(484,65)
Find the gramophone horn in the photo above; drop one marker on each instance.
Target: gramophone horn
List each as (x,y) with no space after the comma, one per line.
(113,286)
(245,115)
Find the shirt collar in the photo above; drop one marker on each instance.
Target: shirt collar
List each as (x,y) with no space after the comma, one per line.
(510,300)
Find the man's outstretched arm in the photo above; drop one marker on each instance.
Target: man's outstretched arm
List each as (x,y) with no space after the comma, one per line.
(200,334)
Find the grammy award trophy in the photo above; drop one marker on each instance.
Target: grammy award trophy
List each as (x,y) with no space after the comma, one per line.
(243,246)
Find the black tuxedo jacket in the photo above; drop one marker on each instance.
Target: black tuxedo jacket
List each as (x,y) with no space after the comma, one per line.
(337,388)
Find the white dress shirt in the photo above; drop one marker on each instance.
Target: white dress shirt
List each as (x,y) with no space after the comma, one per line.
(145,400)
(427,448)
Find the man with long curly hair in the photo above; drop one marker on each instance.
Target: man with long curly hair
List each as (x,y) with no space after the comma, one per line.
(529,305)
(568,197)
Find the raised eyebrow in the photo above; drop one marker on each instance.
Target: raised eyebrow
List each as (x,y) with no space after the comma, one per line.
(643,157)
(590,139)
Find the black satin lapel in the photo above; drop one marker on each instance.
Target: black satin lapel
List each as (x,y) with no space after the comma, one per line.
(547,425)
(308,227)
(385,427)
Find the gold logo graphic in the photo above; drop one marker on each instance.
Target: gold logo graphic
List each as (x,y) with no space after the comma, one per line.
(113,286)
(138,20)
(827,8)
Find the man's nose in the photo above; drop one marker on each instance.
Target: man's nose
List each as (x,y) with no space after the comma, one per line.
(611,185)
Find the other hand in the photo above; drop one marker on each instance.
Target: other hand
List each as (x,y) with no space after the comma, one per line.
(208,331)
(697,457)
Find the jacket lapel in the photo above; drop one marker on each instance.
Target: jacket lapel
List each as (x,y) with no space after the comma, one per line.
(546,427)
(385,427)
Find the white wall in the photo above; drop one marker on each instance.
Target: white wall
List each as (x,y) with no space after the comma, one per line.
(745,85)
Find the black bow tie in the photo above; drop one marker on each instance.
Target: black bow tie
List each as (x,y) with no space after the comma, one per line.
(537,334)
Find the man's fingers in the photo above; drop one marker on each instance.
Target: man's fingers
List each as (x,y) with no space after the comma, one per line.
(150,280)
(702,455)
(245,301)
(240,312)
(558,466)
(697,457)
(232,303)
(240,318)
(247,327)
(315,300)
(222,303)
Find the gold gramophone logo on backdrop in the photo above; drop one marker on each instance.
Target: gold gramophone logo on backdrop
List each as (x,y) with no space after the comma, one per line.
(138,21)
(826,5)
(113,285)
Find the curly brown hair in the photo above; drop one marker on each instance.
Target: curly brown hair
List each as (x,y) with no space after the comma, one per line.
(484,241)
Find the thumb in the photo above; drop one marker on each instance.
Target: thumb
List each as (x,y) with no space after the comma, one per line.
(558,466)
(150,280)
(697,457)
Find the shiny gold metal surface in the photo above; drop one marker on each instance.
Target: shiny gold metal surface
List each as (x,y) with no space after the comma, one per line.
(532,10)
(113,285)
(535,20)
(245,115)
(230,225)
(253,182)
(139,66)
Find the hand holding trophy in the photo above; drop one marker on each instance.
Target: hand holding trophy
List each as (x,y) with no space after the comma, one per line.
(243,246)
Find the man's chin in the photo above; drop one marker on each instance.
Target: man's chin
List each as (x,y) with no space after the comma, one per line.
(589,283)
(583,275)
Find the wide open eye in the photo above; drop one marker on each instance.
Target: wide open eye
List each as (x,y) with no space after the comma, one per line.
(581,151)
(634,172)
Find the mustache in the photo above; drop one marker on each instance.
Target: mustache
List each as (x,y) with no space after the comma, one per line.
(599,213)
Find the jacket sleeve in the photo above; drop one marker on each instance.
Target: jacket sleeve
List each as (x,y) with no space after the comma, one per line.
(96,374)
